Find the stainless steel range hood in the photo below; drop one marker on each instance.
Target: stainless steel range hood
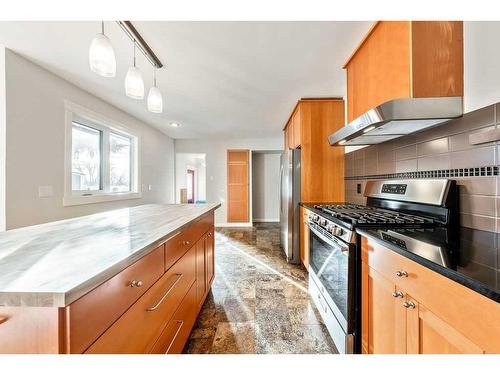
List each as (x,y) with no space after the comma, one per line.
(397,118)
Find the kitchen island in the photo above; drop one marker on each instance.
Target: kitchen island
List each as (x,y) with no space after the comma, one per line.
(123,281)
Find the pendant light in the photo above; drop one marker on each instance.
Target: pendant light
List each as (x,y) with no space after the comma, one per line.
(101,55)
(155,100)
(134,84)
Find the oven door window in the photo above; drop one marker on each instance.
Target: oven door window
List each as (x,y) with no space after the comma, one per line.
(330,265)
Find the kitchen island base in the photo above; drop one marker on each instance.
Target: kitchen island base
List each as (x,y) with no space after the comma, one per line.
(148,307)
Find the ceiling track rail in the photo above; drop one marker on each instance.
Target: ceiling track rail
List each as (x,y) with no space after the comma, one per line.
(136,37)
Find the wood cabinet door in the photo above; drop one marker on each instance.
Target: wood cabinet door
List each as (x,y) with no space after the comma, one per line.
(200,270)
(384,56)
(296,128)
(237,186)
(209,259)
(304,238)
(428,334)
(383,315)
(290,135)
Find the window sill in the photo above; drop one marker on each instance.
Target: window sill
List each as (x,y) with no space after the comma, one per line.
(75,200)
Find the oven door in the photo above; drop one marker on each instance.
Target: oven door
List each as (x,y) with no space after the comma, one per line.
(332,263)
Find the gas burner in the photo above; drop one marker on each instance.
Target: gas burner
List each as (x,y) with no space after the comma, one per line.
(354,214)
(346,206)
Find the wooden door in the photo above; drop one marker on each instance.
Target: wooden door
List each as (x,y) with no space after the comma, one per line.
(428,334)
(383,315)
(237,186)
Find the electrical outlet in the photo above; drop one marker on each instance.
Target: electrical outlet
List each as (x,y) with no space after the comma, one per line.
(45,191)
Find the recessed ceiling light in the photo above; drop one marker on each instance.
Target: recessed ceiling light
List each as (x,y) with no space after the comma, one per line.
(175,124)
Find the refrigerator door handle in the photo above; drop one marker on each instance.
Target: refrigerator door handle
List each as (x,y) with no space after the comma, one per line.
(281,188)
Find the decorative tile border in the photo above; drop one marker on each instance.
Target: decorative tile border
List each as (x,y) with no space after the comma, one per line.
(441,173)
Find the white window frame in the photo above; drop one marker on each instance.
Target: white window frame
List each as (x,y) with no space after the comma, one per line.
(86,117)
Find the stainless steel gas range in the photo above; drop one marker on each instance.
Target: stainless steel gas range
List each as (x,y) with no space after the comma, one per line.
(335,260)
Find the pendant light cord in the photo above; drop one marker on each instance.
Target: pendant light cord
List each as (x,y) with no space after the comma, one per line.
(134,53)
(154,76)
(102,27)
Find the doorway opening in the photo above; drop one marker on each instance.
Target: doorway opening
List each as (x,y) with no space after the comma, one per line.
(190,178)
(266,186)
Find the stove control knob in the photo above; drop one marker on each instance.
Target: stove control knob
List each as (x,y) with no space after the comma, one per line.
(336,231)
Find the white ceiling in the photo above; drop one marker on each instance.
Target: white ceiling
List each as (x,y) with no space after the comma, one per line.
(222,79)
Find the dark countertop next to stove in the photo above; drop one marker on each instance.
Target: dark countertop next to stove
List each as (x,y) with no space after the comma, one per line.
(473,262)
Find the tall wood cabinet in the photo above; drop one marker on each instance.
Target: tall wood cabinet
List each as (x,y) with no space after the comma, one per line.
(408,308)
(322,166)
(403,59)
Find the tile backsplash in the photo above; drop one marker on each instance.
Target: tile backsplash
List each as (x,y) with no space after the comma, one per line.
(443,151)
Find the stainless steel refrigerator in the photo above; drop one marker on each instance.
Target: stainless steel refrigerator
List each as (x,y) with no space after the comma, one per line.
(289,204)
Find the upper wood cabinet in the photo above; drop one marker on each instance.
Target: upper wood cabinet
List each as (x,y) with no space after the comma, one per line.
(292,131)
(403,59)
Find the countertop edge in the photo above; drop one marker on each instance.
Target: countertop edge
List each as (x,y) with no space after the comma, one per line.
(469,283)
(64,299)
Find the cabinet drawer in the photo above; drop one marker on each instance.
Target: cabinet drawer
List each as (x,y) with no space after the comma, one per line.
(138,329)
(176,333)
(93,313)
(178,245)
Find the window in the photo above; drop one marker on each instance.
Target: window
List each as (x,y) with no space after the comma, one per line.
(119,162)
(86,158)
(101,160)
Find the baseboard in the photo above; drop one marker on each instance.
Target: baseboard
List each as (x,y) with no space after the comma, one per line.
(236,225)
(266,220)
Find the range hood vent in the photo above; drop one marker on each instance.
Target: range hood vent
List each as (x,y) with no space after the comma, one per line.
(397,118)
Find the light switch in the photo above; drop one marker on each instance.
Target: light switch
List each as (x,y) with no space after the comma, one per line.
(150,187)
(45,191)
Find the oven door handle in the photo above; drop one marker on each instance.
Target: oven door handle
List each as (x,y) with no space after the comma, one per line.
(330,241)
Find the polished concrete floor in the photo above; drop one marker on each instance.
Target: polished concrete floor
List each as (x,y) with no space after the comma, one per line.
(258,302)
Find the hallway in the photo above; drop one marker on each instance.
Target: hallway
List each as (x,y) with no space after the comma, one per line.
(258,302)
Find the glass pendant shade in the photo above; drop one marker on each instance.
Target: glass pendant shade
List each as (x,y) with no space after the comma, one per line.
(155,100)
(134,84)
(102,57)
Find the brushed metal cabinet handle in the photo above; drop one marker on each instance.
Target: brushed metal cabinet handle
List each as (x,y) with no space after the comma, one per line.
(136,283)
(397,294)
(157,304)
(181,323)
(409,305)
(402,274)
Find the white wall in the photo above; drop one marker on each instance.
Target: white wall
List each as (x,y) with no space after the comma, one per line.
(216,162)
(196,162)
(35,127)
(481,64)
(265,186)
(3,139)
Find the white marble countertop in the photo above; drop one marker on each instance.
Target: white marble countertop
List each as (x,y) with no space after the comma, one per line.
(54,264)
